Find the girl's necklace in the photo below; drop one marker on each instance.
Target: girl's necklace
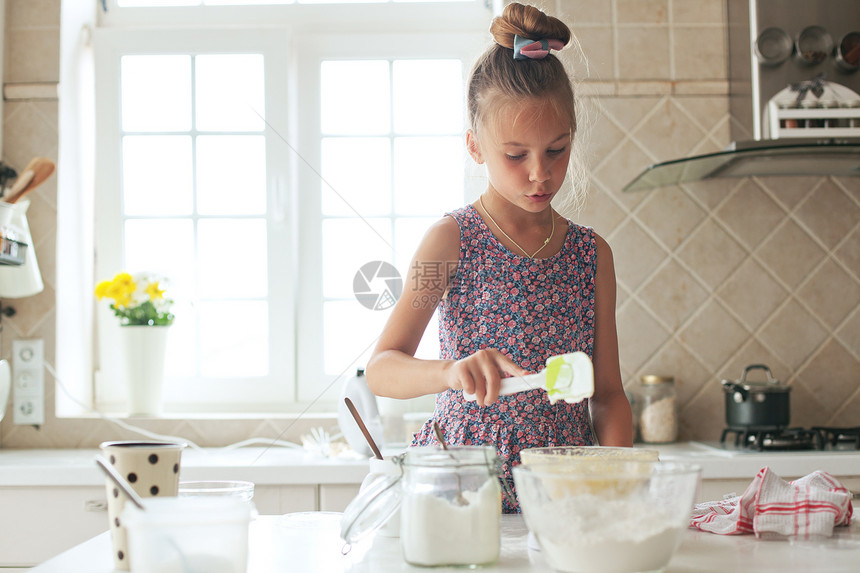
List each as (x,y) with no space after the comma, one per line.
(508,237)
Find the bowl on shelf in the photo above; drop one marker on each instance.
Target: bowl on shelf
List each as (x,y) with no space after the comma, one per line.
(622,517)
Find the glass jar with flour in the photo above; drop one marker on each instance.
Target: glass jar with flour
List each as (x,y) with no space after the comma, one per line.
(451,512)
(449,502)
(658,413)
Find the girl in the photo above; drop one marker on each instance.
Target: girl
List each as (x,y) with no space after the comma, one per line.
(521,283)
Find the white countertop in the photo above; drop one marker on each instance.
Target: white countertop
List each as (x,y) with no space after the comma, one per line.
(263,466)
(286,466)
(275,548)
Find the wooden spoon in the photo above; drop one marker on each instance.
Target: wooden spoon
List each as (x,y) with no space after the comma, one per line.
(460,499)
(363,428)
(39,169)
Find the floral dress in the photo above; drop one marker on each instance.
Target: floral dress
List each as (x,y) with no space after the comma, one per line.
(528,309)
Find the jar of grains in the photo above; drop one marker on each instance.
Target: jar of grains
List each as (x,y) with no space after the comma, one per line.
(658,417)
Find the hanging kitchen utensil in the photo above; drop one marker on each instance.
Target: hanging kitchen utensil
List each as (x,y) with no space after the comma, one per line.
(759,405)
(39,169)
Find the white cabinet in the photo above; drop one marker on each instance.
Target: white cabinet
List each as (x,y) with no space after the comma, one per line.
(37,523)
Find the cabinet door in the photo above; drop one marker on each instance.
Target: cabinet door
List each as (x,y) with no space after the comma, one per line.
(39,523)
(335,497)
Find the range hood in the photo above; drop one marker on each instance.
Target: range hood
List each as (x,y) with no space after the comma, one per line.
(772,69)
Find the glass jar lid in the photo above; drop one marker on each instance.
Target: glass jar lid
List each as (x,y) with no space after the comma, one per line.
(371,508)
(452,457)
(649,379)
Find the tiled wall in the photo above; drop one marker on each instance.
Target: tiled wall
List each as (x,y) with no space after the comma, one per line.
(711,277)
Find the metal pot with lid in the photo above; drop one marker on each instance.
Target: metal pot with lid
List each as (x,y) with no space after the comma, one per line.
(759,405)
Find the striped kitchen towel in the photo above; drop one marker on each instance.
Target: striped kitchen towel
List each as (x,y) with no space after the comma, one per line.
(772,507)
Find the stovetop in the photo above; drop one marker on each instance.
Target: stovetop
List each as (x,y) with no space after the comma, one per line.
(815,439)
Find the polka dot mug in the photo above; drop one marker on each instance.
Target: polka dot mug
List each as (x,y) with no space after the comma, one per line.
(152,470)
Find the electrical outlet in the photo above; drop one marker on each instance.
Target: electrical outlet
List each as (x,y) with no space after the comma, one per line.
(28,382)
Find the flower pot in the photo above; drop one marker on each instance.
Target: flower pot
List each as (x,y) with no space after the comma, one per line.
(144,348)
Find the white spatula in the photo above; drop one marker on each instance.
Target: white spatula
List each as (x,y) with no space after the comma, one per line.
(568,377)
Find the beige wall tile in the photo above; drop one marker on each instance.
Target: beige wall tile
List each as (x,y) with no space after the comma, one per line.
(713,335)
(32,55)
(752,294)
(598,49)
(703,417)
(32,13)
(848,253)
(828,213)
(670,214)
(601,212)
(711,253)
(620,167)
(670,130)
(643,53)
(849,333)
(793,334)
(806,407)
(642,11)
(698,11)
(750,214)
(754,352)
(790,253)
(673,294)
(699,53)
(628,112)
(847,414)
(672,359)
(586,11)
(32,133)
(639,335)
(831,294)
(789,191)
(702,87)
(636,254)
(831,375)
(708,112)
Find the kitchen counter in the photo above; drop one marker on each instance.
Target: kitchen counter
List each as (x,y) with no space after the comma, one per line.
(287,466)
(273,466)
(275,546)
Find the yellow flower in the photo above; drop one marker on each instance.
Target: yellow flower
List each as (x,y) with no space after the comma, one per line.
(138,299)
(153,291)
(102,289)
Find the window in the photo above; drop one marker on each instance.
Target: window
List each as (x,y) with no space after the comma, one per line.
(272,175)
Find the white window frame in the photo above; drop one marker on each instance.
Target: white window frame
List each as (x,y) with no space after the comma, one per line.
(315,50)
(199,394)
(271,30)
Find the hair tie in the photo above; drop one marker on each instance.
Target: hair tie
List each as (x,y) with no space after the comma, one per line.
(524,48)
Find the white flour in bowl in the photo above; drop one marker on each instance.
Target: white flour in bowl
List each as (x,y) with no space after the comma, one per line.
(588,534)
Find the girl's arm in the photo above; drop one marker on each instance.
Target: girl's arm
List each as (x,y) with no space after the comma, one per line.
(610,409)
(393,370)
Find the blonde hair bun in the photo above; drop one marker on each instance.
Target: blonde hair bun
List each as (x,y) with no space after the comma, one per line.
(527,22)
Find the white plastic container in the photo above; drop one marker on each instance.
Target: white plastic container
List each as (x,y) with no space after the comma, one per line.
(180,534)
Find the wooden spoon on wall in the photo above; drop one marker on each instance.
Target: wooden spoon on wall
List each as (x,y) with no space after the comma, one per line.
(39,169)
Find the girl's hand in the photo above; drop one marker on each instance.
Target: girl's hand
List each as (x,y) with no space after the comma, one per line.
(481,374)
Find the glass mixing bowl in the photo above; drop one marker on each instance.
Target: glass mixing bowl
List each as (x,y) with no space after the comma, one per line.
(621,516)
(574,454)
